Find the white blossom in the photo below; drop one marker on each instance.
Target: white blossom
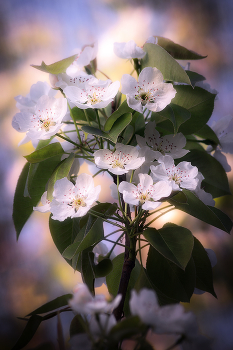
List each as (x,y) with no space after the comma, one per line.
(205,197)
(152,40)
(128,50)
(44,122)
(93,93)
(37,90)
(79,79)
(120,161)
(223,128)
(85,303)
(71,200)
(103,327)
(145,193)
(150,91)
(83,58)
(184,175)
(45,207)
(156,146)
(163,319)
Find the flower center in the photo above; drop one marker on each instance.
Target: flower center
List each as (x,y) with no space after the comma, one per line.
(144,97)
(78,202)
(144,197)
(93,99)
(117,164)
(176,178)
(46,124)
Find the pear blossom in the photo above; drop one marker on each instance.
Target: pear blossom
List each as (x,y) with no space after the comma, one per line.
(71,200)
(205,197)
(85,303)
(163,319)
(120,161)
(157,146)
(45,207)
(84,57)
(93,94)
(105,324)
(223,128)
(44,122)
(184,175)
(150,91)
(37,90)
(128,50)
(145,193)
(152,40)
(79,79)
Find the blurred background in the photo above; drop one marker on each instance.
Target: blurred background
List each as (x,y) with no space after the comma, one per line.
(32,271)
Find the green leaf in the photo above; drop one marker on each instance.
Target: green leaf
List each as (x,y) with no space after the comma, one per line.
(215,182)
(103,268)
(127,134)
(177,51)
(119,125)
(44,153)
(124,108)
(199,102)
(199,210)
(169,278)
(175,113)
(204,275)
(57,67)
(157,57)
(194,77)
(52,305)
(28,332)
(87,272)
(34,178)
(77,325)
(113,278)
(173,242)
(127,328)
(62,170)
(207,133)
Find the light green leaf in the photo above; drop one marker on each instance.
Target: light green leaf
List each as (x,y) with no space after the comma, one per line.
(177,51)
(173,242)
(124,108)
(57,67)
(62,170)
(41,154)
(158,57)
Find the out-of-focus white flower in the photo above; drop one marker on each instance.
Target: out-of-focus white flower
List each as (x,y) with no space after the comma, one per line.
(71,200)
(80,341)
(205,197)
(223,128)
(44,122)
(156,146)
(93,94)
(84,303)
(150,91)
(164,319)
(45,207)
(120,161)
(37,90)
(103,327)
(152,40)
(83,59)
(184,175)
(128,50)
(145,193)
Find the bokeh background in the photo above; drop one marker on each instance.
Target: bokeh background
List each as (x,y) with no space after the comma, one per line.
(32,272)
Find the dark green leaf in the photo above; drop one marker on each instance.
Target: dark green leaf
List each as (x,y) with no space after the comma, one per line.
(173,242)
(88,277)
(169,278)
(49,151)
(208,214)
(127,134)
(157,57)
(215,182)
(52,305)
(199,102)
(124,108)
(62,170)
(127,328)
(28,332)
(208,134)
(103,268)
(204,275)
(194,77)
(177,51)
(77,325)
(57,67)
